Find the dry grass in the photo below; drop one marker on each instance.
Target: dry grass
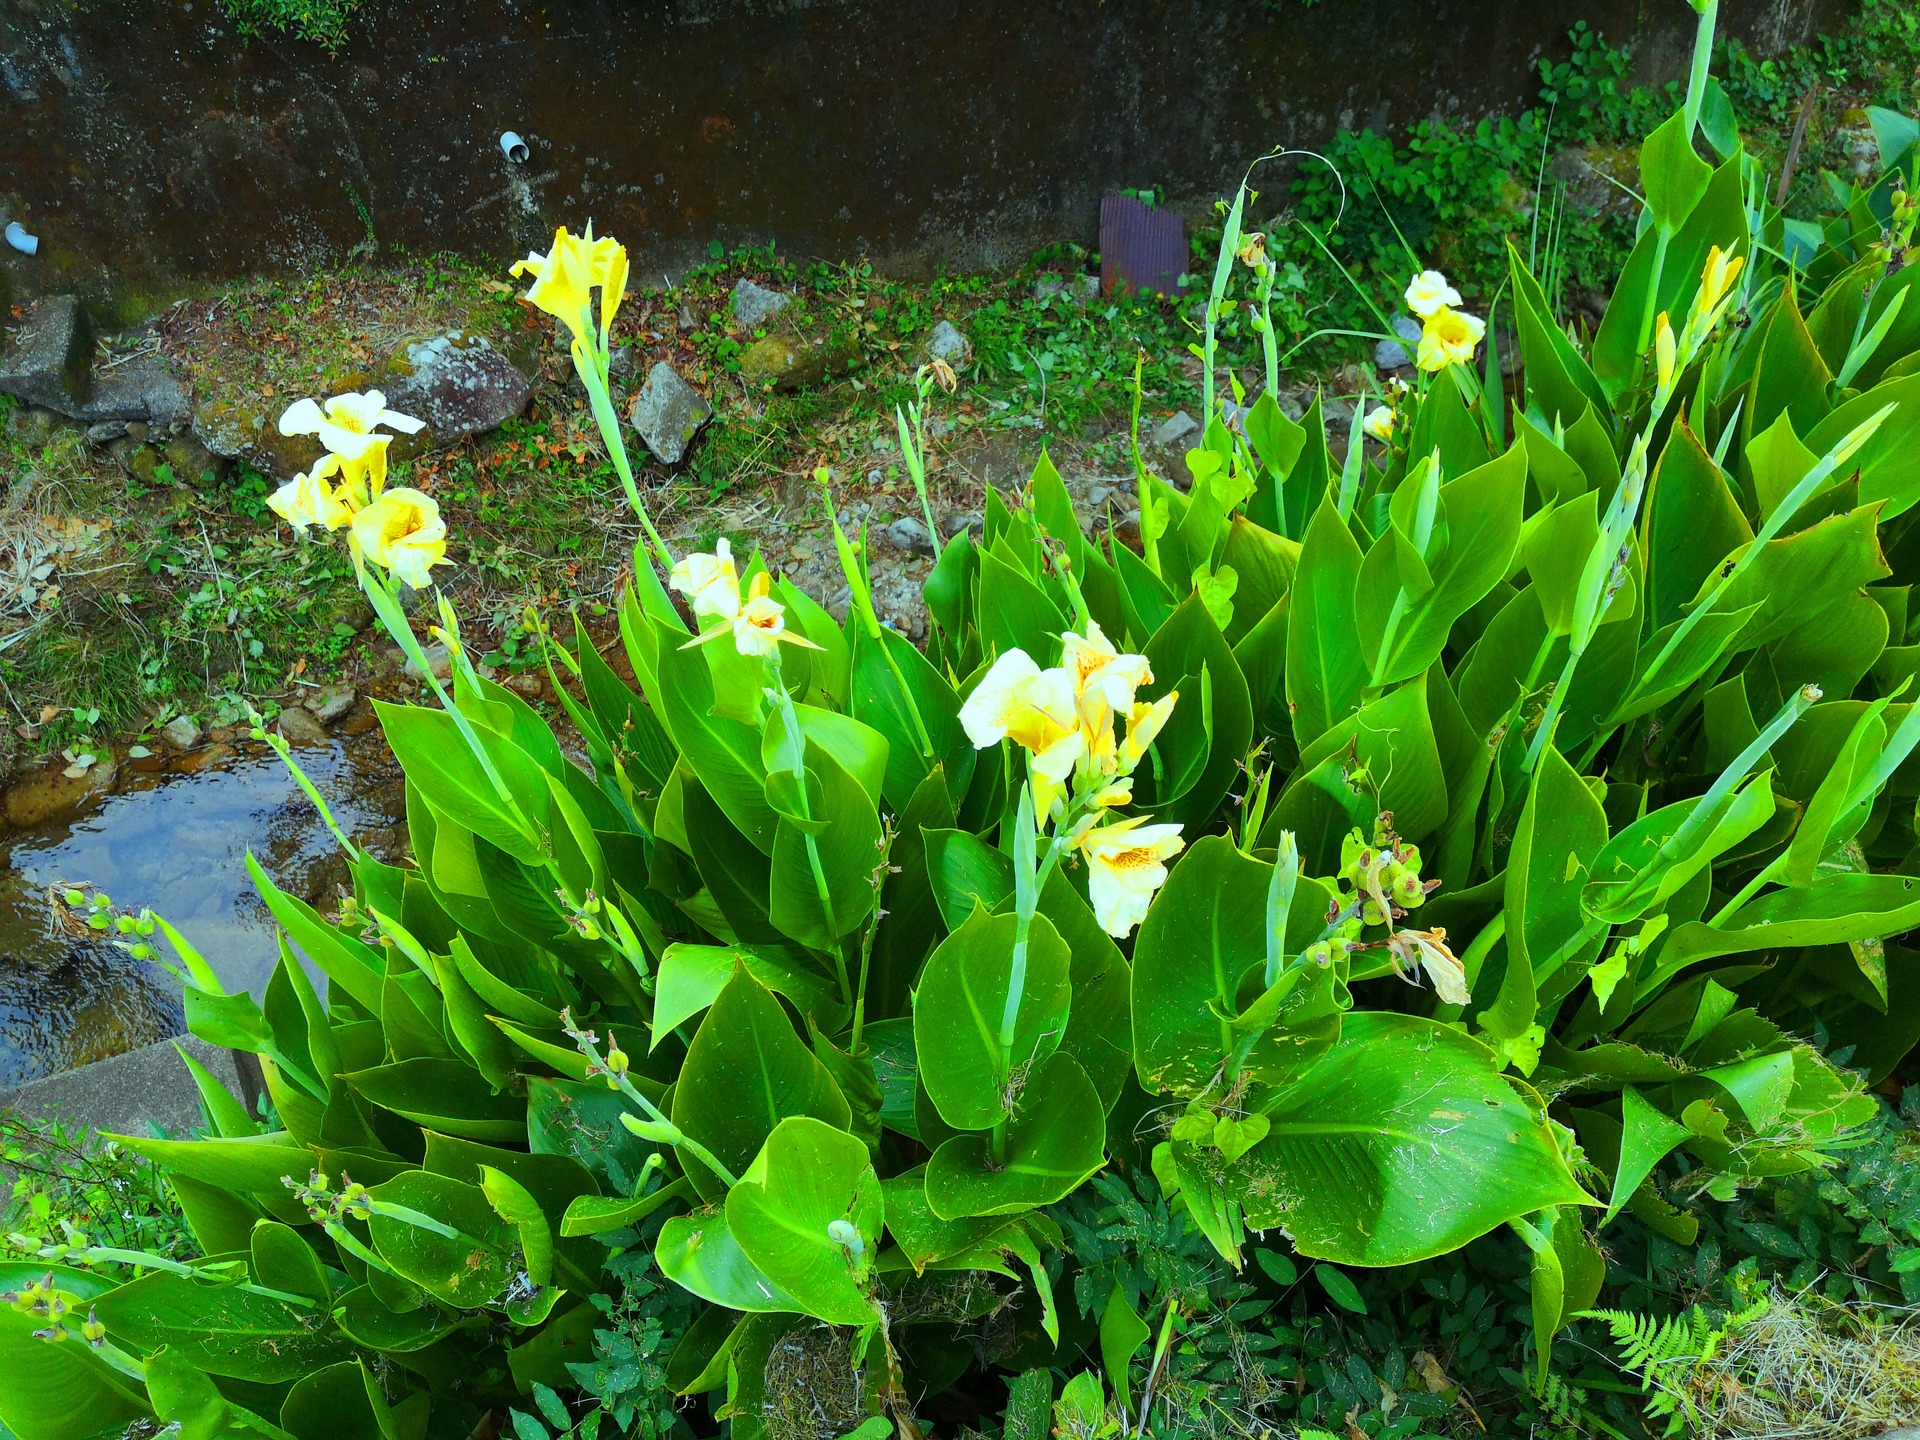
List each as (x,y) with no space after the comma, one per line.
(1808,1369)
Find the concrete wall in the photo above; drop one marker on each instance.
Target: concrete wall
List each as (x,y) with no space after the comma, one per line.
(154,151)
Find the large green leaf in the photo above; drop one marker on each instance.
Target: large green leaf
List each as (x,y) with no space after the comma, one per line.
(1403,1142)
(1205,932)
(1405,618)
(958,1012)
(691,976)
(58,1391)
(445,1095)
(746,1071)
(1326,668)
(469,1268)
(225,1331)
(698,1252)
(438,760)
(1561,832)
(823,883)
(1834,909)
(808,1213)
(1056,1140)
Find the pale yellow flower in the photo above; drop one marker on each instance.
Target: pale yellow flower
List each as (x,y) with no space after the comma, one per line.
(402,532)
(565,277)
(1103,684)
(761,626)
(1144,723)
(710,581)
(1379,424)
(1427,949)
(348,425)
(1017,700)
(1430,293)
(1450,338)
(309,499)
(1051,769)
(1126,866)
(1722,269)
(1666,352)
(1253,251)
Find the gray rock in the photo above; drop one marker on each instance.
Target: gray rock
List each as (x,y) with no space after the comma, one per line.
(105,431)
(909,533)
(754,305)
(439,660)
(1175,430)
(459,384)
(949,343)
(241,430)
(784,363)
(130,1093)
(48,358)
(142,389)
(686,319)
(298,727)
(1395,354)
(958,520)
(33,424)
(182,732)
(329,703)
(668,413)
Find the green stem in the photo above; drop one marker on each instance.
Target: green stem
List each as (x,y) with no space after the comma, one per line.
(1702,63)
(1149,541)
(1750,889)
(796,757)
(592,365)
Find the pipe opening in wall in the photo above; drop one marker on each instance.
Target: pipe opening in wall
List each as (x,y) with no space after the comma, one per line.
(20,240)
(514,148)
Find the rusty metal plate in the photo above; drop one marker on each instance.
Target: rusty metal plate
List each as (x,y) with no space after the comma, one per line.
(1142,248)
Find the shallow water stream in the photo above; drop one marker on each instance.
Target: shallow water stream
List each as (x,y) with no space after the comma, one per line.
(176,842)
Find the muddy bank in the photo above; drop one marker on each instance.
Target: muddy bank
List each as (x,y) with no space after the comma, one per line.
(154,152)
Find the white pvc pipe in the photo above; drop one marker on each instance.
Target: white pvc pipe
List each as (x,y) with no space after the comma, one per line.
(18,237)
(514,148)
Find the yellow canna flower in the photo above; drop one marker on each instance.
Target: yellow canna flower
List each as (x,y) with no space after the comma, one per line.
(348,425)
(1144,724)
(1717,279)
(1017,700)
(565,277)
(1379,424)
(1666,354)
(1253,251)
(761,626)
(1125,867)
(1051,769)
(402,532)
(1430,293)
(1103,684)
(310,500)
(1450,338)
(710,581)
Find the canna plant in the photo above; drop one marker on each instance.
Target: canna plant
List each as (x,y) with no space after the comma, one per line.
(1395,846)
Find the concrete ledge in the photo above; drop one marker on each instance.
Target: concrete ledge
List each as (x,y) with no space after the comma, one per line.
(130,1094)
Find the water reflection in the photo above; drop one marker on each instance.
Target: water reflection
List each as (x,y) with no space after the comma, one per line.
(177,843)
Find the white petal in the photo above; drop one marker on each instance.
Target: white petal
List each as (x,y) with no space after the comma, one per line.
(303,417)
(347,444)
(985,715)
(405,424)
